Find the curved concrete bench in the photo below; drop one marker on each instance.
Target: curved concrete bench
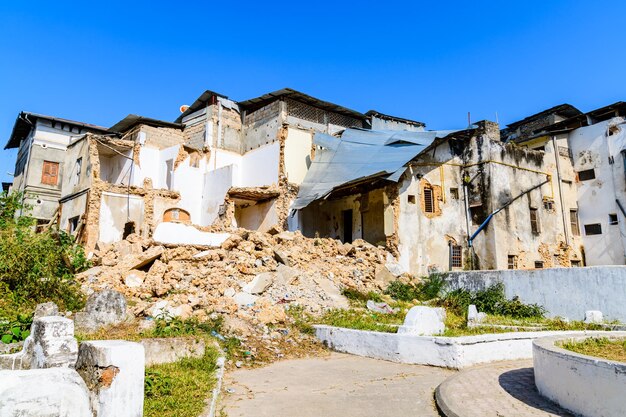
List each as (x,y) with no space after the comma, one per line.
(586,385)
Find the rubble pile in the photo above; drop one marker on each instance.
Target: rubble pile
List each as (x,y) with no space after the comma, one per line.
(250,279)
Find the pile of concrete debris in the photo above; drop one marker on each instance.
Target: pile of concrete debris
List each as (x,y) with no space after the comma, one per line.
(250,278)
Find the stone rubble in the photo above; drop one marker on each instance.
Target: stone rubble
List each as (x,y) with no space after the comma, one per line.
(252,277)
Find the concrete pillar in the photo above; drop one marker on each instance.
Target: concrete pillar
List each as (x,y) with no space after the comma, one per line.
(114,373)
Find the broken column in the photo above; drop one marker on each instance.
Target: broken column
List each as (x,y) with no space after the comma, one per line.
(424,321)
(114,373)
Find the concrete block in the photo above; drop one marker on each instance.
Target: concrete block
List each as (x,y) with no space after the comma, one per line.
(43,393)
(422,320)
(114,373)
(172,349)
(593,316)
(51,343)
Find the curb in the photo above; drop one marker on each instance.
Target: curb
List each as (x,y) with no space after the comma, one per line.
(440,402)
(220,363)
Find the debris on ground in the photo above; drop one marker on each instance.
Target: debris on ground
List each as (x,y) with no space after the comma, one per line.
(250,280)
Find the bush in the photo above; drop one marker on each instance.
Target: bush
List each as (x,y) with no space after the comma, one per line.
(165,326)
(491,301)
(36,267)
(428,289)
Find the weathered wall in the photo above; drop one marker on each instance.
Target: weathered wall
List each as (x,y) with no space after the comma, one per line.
(260,216)
(214,192)
(115,211)
(388,124)
(591,288)
(592,147)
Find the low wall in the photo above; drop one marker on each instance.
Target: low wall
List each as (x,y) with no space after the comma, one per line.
(448,352)
(591,288)
(172,349)
(585,385)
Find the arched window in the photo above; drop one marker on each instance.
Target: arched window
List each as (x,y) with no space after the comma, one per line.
(176,215)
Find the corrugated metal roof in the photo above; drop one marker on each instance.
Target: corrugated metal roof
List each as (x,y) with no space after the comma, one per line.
(360,154)
(198,104)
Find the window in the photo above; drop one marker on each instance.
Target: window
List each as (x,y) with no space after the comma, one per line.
(586,175)
(411,199)
(593,229)
(548,204)
(575,263)
(456,256)
(573,220)
(512,262)
(429,203)
(454,193)
(50,173)
(538,264)
(73,224)
(79,167)
(534,221)
(613,219)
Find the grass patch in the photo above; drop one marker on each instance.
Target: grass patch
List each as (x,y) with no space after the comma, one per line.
(605,348)
(180,389)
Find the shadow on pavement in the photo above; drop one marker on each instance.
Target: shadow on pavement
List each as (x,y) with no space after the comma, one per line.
(520,384)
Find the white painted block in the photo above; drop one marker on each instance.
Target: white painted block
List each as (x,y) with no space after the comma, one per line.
(422,320)
(114,372)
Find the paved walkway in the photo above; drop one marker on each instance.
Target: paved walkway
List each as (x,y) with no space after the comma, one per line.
(334,386)
(502,389)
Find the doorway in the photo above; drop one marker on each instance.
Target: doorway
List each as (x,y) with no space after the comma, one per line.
(347,225)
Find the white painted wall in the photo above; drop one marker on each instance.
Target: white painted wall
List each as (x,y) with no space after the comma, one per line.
(585,385)
(214,190)
(260,166)
(591,147)
(297,154)
(591,288)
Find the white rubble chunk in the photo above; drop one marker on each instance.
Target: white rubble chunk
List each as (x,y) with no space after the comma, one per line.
(51,343)
(259,284)
(183,234)
(43,393)
(594,316)
(426,321)
(114,373)
(244,299)
(103,308)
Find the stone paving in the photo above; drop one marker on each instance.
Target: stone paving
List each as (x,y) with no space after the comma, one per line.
(334,386)
(501,389)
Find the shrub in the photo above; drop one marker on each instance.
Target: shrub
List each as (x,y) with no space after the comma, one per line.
(36,267)
(16,330)
(165,326)
(491,300)
(428,289)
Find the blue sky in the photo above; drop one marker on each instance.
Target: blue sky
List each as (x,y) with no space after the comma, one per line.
(431,61)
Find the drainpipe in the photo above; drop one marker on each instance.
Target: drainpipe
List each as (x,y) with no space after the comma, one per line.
(558,179)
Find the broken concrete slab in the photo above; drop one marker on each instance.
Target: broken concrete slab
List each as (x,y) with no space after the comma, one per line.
(183,234)
(281,257)
(134,278)
(114,373)
(139,261)
(286,275)
(425,321)
(259,283)
(43,393)
(382,307)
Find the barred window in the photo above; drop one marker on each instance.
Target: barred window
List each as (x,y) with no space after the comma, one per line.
(512,262)
(429,203)
(456,256)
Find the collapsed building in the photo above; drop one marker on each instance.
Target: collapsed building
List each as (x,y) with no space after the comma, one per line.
(437,200)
